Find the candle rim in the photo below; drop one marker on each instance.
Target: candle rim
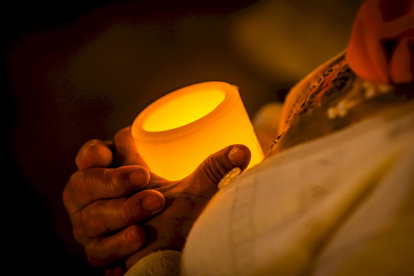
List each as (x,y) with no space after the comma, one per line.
(230,99)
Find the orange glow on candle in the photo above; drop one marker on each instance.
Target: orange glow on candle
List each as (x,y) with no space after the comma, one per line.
(178,131)
(180,111)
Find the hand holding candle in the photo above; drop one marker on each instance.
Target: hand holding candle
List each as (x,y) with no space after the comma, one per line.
(100,222)
(177,132)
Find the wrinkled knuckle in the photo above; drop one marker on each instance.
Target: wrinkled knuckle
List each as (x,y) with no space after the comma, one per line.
(126,213)
(80,187)
(108,174)
(73,191)
(113,179)
(116,177)
(211,170)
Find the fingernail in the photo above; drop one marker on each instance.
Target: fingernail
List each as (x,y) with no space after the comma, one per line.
(138,177)
(132,237)
(151,203)
(237,156)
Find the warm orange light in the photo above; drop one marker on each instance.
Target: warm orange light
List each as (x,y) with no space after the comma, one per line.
(182,110)
(178,131)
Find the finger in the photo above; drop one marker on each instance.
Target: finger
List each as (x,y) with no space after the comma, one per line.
(105,216)
(105,251)
(217,165)
(126,151)
(402,61)
(94,153)
(89,185)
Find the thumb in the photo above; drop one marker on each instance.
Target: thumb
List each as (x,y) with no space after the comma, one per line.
(126,151)
(217,165)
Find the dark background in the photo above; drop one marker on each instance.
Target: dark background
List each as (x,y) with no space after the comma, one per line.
(73,71)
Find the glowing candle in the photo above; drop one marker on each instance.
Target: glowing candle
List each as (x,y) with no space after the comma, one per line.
(178,131)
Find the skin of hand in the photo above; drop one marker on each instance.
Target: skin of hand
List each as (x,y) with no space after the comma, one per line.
(106,204)
(185,199)
(382,40)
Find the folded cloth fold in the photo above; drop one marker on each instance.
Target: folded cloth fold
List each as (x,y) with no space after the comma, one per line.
(278,217)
